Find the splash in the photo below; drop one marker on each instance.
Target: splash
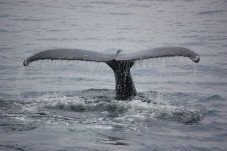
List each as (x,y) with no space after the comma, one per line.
(109,112)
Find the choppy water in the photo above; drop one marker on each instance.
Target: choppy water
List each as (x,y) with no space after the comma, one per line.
(69,105)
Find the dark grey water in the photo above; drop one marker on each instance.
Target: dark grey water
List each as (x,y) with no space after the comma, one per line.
(69,105)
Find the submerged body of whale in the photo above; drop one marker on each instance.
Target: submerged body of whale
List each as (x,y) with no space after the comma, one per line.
(120,63)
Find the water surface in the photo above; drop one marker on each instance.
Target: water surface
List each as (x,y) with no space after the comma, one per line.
(70,105)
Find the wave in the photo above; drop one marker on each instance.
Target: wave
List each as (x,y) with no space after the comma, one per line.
(211,12)
(215,97)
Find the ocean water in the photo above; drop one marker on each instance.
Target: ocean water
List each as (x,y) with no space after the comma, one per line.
(70,105)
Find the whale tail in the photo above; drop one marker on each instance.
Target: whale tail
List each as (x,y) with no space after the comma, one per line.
(125,88)
(119,62)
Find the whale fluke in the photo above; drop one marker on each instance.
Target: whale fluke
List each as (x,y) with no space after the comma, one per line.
(119,62)
(159,52)
(68,54)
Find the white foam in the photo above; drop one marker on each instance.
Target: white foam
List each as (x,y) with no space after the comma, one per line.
(99,126)
(21,118)
(128,112)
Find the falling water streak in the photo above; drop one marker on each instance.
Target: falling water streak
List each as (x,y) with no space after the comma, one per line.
(194,77)
(53,69)
(20,81)
(160,80)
